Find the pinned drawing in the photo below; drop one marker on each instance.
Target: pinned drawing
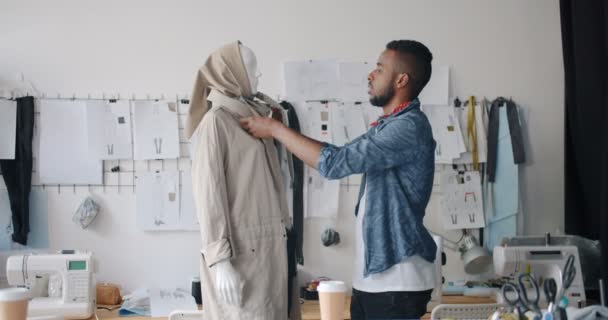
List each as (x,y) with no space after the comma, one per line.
(461,202)
(157,201)
(310,80)
(156,134)
(109,129)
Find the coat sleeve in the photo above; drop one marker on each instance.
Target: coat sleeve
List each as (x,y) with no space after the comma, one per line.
(209,187)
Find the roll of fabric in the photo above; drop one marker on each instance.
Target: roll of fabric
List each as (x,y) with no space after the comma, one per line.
(330,237)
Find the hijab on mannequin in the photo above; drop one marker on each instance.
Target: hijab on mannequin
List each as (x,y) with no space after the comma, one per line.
(228,70)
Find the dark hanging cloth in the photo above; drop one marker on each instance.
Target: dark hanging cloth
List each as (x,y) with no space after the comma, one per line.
(298,188)
(17,173)
(584,26)
(517,140)
(295,236)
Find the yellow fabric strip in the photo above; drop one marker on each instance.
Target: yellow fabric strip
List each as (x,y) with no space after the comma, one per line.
(472,131)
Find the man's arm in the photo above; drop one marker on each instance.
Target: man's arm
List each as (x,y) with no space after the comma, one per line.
(305,148)
(398,143)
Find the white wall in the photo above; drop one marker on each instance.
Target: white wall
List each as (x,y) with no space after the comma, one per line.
(508,48)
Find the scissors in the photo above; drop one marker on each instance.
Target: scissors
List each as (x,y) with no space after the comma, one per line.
(567,278)
(512,295)
(530,302)
(550,288)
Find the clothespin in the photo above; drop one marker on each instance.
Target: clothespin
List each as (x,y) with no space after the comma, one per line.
(457,103)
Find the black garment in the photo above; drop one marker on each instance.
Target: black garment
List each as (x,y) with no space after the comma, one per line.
(295,234)
(517,140)
(584,26)
(298,188)
(292,270)
(17,173)
(395,305)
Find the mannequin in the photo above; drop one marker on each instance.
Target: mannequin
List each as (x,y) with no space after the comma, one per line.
(251,66)
(238,192)
(227,280)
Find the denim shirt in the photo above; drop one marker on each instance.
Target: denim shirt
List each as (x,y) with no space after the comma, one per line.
(397,158)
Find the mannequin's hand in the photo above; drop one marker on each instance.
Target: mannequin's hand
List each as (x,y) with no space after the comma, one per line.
(228,283)
(260,127)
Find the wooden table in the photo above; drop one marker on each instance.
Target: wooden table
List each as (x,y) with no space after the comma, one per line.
(310,309)
(113,315)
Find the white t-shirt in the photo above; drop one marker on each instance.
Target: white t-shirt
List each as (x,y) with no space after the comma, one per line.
(412,274)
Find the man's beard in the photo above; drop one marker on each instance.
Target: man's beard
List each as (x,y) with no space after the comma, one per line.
(383,99)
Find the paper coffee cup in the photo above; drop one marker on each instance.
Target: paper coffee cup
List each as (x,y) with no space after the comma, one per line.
(13,303)
(331,299)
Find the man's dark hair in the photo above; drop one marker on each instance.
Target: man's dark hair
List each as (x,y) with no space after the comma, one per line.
(415,61)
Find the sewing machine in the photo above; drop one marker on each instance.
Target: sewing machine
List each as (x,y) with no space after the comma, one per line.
(75,297)
(544,261)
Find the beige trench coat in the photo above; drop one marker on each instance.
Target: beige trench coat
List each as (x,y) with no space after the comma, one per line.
(242,212)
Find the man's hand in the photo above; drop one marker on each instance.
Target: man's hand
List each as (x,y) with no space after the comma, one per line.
(261,127)
(307,149)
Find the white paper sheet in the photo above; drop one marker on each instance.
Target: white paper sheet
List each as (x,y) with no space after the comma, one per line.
(446,132)
(436,92)
(109,124)
(302,111)
(321,196)
(165,301)
(353,81)
(156,134)
(482,138)
(348,122)
(310,80)
(157,201)
(187,209)
(64,152)
(462,147)
(340,133)
(8,128)
(320,124)
(462,200)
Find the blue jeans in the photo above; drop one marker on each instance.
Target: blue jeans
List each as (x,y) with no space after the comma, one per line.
(397,305)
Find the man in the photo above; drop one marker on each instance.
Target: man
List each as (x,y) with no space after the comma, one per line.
(394,273)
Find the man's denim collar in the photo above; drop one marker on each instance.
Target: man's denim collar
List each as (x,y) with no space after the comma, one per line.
(415,104)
